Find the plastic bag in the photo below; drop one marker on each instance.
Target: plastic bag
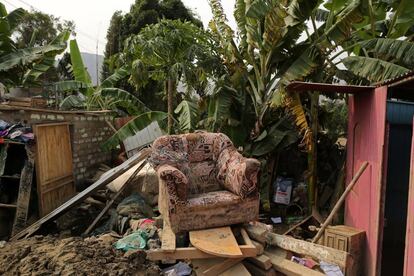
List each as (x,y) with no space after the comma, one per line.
(134,241)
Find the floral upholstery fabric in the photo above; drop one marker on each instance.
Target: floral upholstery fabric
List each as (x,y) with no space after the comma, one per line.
(207,162)
(237,173)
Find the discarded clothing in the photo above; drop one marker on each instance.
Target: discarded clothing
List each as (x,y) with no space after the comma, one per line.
(179,269)
(17,132)
(134,206)
(330,269)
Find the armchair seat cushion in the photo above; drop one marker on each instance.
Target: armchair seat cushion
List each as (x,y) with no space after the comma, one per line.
(213,209)
(216,199)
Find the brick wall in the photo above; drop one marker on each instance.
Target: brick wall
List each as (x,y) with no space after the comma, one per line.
(88,131)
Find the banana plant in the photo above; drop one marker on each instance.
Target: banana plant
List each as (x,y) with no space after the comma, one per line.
(104,96)
(24,67)
(280,41)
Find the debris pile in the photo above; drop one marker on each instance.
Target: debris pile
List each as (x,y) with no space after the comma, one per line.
(50,255)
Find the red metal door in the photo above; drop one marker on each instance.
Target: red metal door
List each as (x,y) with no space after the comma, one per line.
(366,136)
(409,236)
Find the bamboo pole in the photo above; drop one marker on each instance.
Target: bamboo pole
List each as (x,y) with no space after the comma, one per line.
(340,201)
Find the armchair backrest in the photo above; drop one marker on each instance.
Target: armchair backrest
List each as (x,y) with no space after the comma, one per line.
(195,154)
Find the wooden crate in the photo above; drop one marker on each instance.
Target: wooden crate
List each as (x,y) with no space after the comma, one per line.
(347,239)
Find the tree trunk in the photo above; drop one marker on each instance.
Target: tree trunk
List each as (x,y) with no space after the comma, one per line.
(312,156)
(170,96)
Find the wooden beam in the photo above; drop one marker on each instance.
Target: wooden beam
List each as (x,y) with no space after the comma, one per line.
(257,231)
(192,253)
(109,204)
(261,261)
(340,201)
(104,180)
(281,264)
(319,252)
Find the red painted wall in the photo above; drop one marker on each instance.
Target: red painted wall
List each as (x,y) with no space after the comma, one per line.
(366,136)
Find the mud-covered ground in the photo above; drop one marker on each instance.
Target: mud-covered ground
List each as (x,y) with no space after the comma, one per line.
(49,255)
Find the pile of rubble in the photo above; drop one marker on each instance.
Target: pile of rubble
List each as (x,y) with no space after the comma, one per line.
(51,255)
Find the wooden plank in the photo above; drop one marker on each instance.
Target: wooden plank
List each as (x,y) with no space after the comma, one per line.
(338,204)
(261,261)
(4,205)
(168,238)
(214,266)
(216,241)
(281,264)
(192,253)
(258,271)
(236,270)
(53,162)
(23,198)
(319,252)
(104,180)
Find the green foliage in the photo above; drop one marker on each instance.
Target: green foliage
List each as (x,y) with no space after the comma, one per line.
(188,116)
(37,29)
(25,66)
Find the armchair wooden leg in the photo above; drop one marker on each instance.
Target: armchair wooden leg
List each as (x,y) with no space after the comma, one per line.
(168,238)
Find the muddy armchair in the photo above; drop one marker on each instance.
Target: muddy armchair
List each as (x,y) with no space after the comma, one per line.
(204,182)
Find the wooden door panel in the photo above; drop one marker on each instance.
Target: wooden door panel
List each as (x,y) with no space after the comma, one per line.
(409,235)
(366,136)
(54,167)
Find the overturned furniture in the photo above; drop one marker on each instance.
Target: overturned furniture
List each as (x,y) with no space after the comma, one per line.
(204,182)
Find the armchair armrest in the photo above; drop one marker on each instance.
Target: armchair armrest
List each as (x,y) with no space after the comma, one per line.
(176,183)
(238,174)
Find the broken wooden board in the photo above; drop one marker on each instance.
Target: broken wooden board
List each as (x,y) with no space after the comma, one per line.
(23,198)
(193,253)
(213,267)
(281,264)
(115,172)
(316,251)
(216,241)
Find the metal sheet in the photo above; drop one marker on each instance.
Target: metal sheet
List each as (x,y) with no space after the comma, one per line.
(366,135)
(299,86)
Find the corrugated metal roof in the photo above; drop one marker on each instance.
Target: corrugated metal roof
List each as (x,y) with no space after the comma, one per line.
(300,86)
(397,80)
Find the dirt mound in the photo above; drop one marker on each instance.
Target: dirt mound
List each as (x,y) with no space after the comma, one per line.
(48,255)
